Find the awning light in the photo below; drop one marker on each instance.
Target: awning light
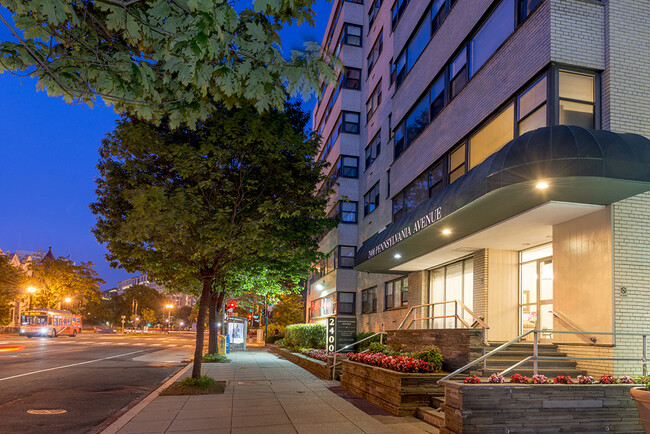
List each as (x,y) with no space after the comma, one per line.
(397,256)
(542,185)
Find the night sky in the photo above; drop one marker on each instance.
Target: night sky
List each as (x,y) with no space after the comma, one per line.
(48,154)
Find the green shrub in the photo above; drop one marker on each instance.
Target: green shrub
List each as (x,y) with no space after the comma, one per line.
(365,344)
(216,358)
(280,342)
(273,339)
(273,327)
(305,335)
(430,354)
(376,347)
(203,382)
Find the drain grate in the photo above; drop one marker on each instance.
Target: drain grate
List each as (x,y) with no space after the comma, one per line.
(48,411)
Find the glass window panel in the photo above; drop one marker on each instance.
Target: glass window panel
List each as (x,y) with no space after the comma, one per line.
(405,291)
(389,296)
(457,157)
(492,136)
(400,142)
(535,253)
(545,316)
(546,280)
(417,121)
(436,179)
(536,119)
(437,294)
(418,43)
(576,86)
(400,69)
(453,291)
(529,283)
(397,293)
(459,63)
(532,97)
(576,113)
(492,34)
(455,174)
(398,207)
(437,96)
(438,14)
(529,317)
(468,289)
(526,7)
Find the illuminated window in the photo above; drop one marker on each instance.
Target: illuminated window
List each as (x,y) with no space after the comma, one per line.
(492,136)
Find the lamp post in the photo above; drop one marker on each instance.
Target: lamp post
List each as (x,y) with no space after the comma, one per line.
(67,303)
(31,291)
(169,314)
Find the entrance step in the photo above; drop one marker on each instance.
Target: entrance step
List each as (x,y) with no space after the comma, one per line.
(431,416)
(519,351)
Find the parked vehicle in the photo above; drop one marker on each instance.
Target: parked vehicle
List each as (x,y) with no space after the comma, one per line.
(104,330)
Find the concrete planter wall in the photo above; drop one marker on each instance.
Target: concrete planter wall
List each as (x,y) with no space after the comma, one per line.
(499,408)
(317,367)
(397,392)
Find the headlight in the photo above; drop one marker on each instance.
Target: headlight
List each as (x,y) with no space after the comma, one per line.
(22,330)
(43,329)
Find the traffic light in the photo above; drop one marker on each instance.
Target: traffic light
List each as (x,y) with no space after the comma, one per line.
(250,316)
(232,305)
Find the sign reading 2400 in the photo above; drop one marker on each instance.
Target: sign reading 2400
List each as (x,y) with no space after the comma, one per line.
(331,334)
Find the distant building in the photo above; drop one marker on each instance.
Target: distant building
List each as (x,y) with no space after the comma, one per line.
(179,299)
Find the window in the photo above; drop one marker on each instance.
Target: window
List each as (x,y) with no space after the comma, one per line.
(373,102)
(436,178)
(371,200)
(491,35)
(417,44)
(458,73)
(412,196)
(348,212)
(492,136)
(417,121)
(345,304)
(346,256)
(438,14)
(350,122)
(457,163)
(452,282)
(347,167)
(369,300)
(577,100)
(398,11)
(375,52)
(396,294)
(372,13)
(352,78)
(323,307)
(437,96)
(525,8)
(398,70)
(531,107)
(373,150)
(351,35)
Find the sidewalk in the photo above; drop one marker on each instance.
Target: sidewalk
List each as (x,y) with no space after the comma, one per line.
(265,394)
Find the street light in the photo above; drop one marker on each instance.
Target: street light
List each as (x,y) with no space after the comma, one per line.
(67,303)
(169,313)
(31,291)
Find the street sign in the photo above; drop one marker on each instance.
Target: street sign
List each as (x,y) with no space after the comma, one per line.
(341,331)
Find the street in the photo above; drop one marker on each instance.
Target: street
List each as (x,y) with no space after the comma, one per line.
(82,382)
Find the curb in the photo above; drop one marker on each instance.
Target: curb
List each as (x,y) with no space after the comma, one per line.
(126,417)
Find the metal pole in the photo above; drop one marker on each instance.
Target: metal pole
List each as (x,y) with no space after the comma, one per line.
(381,339)
(456,313)
(645,368)
(30,301)
(535,352)
(266,319)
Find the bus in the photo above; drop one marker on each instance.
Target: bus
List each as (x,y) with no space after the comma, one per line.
(49,322)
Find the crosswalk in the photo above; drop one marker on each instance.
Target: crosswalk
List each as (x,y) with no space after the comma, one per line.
(172,343)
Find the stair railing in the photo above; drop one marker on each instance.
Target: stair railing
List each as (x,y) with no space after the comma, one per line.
(536,357)
(564,319)
(334,364)
(459,308)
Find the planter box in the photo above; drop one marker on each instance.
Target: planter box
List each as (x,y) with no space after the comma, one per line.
(498,408)
(317,367)
(397,392)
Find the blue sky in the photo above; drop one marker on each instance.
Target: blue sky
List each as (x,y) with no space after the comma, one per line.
(48,154)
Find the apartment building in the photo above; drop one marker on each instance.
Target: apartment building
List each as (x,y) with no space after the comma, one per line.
(490,161)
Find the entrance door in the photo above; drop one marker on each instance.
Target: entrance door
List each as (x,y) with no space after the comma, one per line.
(536,290)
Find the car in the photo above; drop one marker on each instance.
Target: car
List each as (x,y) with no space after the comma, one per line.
(108,330)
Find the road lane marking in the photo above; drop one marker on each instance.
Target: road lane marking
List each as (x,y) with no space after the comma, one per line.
(50,411)
(69,366)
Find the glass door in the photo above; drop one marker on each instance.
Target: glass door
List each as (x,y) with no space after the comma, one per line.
(536,290)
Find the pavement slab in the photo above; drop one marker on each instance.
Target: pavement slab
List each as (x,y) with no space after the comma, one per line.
(267,394)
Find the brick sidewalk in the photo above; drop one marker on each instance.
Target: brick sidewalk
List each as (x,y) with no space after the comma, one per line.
(266,394)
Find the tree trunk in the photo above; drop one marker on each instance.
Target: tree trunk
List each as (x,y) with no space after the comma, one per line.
(204,302)
(216,301)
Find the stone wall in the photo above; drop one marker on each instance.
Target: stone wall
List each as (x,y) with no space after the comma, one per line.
(457,346)
(499,408)
(396,392)
(317,367)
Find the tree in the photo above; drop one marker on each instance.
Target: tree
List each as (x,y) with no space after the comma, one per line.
(157,58)
(186,205)
(56,279)
(148,316)
(290,309)
(10,279)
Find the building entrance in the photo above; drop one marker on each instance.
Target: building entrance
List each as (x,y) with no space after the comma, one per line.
(536,290)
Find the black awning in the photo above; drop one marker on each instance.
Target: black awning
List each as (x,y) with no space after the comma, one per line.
(583,166)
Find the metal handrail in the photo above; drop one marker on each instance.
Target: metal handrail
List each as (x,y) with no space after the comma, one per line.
(334,364)
(536,357)
(457,302)
(562,317)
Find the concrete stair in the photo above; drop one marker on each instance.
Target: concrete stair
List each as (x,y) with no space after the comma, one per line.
(517,352)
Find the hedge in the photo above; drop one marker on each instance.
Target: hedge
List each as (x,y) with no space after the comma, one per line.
(305,336)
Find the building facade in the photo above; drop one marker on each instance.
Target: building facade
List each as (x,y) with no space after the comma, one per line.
(179,299)
(492,158)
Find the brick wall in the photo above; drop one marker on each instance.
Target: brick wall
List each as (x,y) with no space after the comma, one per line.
(631,227)
(595,368)
(577,35)
(625,83)
(481,283)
